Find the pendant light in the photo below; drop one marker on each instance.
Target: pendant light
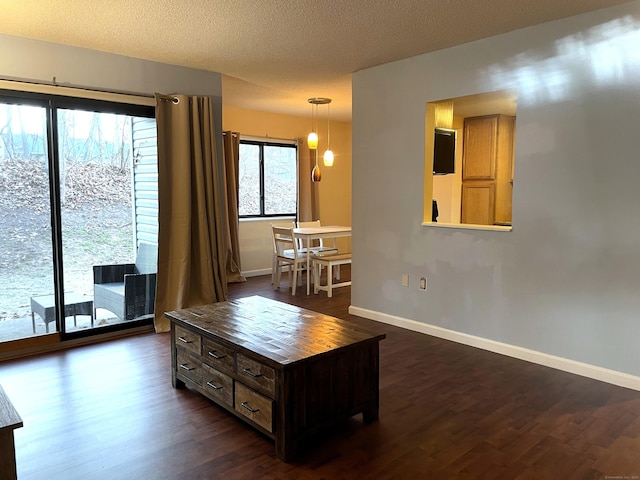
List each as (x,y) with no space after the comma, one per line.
(328,154)
(312,139)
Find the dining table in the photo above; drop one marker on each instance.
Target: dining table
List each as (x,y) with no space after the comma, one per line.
(308,234)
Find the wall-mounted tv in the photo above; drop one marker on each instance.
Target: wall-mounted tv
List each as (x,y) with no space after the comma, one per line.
(444,151)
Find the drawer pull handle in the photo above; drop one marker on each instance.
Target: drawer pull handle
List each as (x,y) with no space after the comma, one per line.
(215,355)
(186,367)
(246,405)
(184,340)
(250,373)
(214,386)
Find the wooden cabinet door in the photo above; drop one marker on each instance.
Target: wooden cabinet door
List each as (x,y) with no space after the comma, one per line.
(503,204)
(478,203)
(504,170)
(479,157)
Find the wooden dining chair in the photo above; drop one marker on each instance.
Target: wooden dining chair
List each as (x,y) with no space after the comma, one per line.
(290,224)
(285,247)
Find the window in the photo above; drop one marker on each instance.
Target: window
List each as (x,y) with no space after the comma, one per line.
(267,179)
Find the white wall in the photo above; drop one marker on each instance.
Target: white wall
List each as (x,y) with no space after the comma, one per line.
(447,189)
(565,283)
(256,245)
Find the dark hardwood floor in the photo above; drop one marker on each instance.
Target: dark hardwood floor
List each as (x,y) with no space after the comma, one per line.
(447,411)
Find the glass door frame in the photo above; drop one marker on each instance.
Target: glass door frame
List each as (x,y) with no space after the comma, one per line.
(52,103)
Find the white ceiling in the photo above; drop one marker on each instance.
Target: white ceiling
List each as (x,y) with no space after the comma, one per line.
(275,54)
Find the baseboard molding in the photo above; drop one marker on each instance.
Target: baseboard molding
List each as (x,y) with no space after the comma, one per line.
(584,369)
(257,273)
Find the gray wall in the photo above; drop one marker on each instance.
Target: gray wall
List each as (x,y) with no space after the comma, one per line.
(42,61)
(566,281)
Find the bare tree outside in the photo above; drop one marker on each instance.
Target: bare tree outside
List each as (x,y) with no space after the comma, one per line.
(95,152)
(279,164)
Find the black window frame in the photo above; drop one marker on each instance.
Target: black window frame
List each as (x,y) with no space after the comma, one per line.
(262,144)
(52,103)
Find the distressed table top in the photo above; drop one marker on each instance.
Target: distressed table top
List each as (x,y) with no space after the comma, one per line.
(9,418)
(280,332)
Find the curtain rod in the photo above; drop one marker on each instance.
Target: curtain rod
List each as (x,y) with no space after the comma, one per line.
(55,83)
(267,138)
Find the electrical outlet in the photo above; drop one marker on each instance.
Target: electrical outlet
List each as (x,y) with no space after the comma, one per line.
(405,280)
(423,283)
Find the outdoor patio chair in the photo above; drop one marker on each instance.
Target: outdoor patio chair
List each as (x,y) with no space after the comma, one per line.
(127,290)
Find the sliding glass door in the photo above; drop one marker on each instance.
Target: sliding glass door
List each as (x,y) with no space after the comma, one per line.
(26,266)
(95,178)
(69,208)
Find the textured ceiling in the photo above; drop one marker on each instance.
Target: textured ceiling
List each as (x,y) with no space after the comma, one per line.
(274,54)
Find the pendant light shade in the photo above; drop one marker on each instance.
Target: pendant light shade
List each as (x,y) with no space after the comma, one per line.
(328,154)
(312,139)
(328,158)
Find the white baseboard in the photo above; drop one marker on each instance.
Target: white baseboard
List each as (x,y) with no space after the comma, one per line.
(584,369)
(257,273)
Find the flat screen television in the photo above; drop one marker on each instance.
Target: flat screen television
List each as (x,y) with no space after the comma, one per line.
(444,151)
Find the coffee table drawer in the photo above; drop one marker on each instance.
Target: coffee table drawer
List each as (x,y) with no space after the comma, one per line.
(217,385)
(256,407)
(189,366)
(217,356)
(188,340)
(256,374)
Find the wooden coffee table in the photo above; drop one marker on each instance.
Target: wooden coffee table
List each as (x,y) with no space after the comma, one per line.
(9,421)
(74,304)
(287,371)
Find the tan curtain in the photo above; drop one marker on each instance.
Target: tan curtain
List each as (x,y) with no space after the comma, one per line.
(191,242)
(231,150)
(308,204)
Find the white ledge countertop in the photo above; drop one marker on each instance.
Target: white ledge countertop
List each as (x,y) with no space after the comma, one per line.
(465,226)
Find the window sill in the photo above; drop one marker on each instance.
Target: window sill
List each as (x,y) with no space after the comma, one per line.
(462,226)
(267,219)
